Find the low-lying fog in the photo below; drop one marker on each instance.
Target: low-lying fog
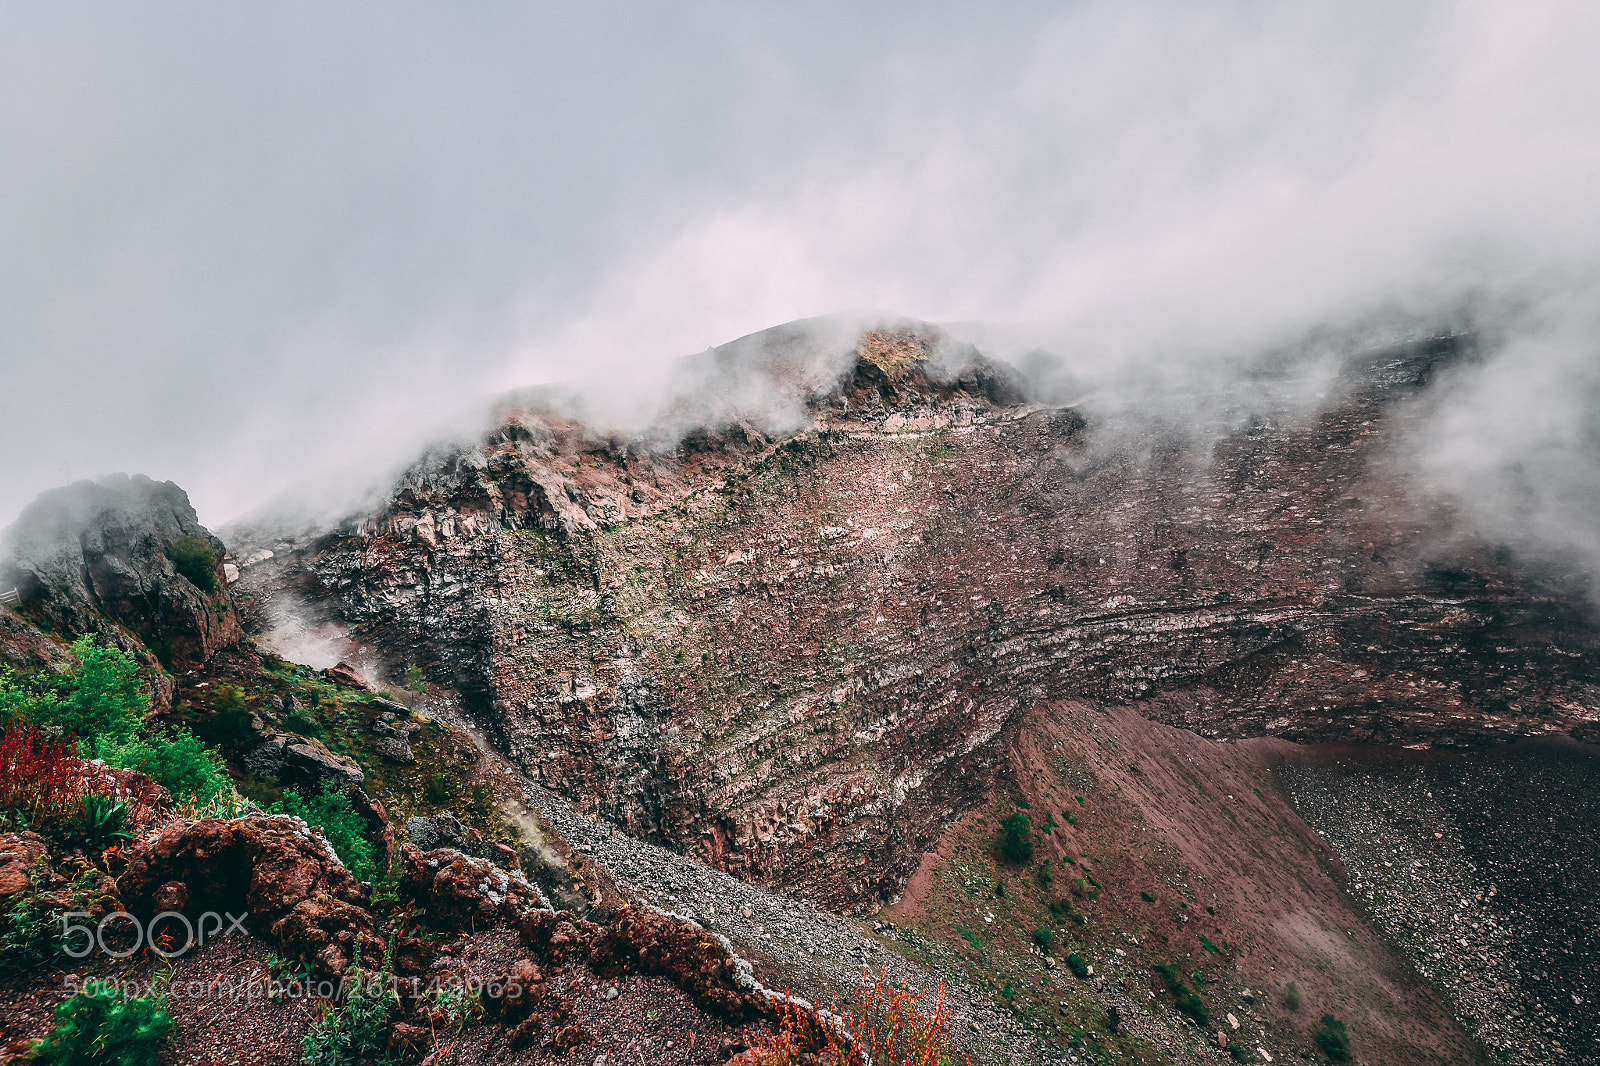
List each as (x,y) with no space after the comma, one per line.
(269,252)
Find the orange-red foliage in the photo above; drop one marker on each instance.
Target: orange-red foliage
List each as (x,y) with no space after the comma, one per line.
(888,1027)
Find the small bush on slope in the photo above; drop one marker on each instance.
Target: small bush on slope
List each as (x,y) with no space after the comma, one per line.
(1332,1038)
(102,1027)
(193,558)
(1016,838)
(331,811)
(354,1031)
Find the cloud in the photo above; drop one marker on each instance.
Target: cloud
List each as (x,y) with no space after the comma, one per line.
(251,250)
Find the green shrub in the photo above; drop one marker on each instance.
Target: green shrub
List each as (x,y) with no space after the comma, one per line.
(301,722)
(459,1006)
(1206,943)
(181,764)
(1185,1000)
(1047,873)
(331,811)
(1147,897)
(102,1027)
(1076,964)
(1016,838)
(193,558)
(1332,1038)
(1291,996)
(355,1031)
(1061,910)
(1042,936)
(1191,1004)
(99,700)
(285,976)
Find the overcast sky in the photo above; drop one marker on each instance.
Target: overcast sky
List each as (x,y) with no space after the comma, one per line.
(251,247)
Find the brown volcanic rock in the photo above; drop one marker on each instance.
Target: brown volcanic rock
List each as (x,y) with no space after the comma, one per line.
(692,958)
(799,655)
(345,674)
(288,879)
(461,892)
(18,854)
(558,936)
(529,1007)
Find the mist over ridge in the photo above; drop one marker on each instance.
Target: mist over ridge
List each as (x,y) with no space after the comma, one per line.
(275,255)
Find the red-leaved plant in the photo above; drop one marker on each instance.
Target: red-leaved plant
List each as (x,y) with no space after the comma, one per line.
(888,1027)
(41,776)
(43,782)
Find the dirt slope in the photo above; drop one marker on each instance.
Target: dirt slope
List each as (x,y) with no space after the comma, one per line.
(1198,826)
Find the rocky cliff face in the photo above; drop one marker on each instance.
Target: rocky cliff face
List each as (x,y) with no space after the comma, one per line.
(798,653)
(97,556)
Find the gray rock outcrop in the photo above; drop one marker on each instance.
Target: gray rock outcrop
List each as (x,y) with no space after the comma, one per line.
(95,556)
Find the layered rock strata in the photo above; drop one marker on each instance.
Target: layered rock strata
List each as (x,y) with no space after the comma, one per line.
(797,655)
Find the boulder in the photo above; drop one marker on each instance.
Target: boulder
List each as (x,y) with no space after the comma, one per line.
(559,936)
(93,557)
(445,830)
(395,749)
(290,759)
(274,868)
(461,892)
(345,674)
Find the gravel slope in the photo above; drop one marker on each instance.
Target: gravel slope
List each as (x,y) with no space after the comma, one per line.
(814,949)
(1482,869)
